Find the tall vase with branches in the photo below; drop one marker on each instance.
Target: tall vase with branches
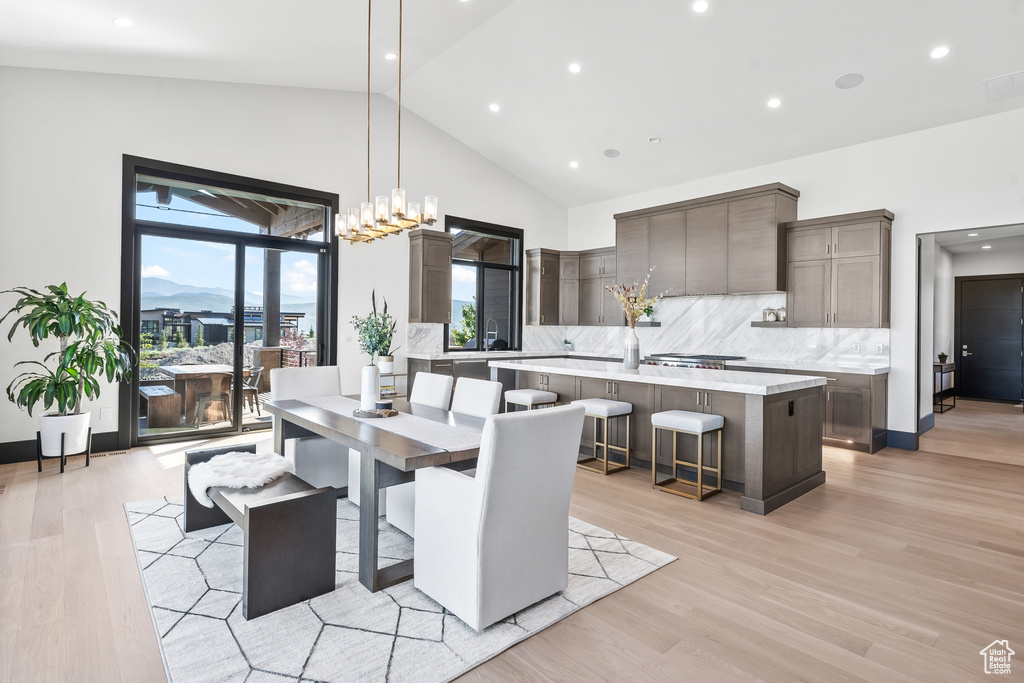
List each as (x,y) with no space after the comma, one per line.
(635,304)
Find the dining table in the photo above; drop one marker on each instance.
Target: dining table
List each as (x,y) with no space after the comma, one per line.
(391,449)
(183,376)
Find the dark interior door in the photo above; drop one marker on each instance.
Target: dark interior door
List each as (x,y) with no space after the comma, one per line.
(990,315)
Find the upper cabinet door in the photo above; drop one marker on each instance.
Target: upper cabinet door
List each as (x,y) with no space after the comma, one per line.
(754,241)
(856,287)
(591,301)
(667,254)
(632,237)
(809,293)
(590,266)
(810,245)
(859,239)
(707,249)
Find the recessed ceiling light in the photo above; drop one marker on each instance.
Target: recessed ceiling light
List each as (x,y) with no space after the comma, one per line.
(700,6)
(391,55)
(654,139)
(850,80)
(940,52)
(494,107)
(574,164)
(123,22)
(774,103)
(611,153)
(987,246)
(972,234)
(574,68)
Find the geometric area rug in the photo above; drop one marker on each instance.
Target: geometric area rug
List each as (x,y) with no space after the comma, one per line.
(193,586)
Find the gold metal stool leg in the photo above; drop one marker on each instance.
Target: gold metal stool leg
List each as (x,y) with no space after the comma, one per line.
(605,467)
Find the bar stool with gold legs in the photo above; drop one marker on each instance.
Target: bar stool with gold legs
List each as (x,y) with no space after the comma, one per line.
(694,424)
(530,398)
(602,410)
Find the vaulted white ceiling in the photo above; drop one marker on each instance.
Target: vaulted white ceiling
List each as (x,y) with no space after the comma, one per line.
(649,68)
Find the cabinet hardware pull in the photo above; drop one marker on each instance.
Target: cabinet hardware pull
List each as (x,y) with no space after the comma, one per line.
(542,317)
(826,317)
(833,317)
(698,398)
(449,259)
(827,247)
(828,395)
(542,270)
(832,379)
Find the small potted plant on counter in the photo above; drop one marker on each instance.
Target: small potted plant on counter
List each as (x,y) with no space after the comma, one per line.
(91,347)
(635,303)
(566,345)
(942,357)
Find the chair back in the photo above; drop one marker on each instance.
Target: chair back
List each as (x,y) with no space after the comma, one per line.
(432,390)
(253,380)
(476,397)
(319,380)
(524,479)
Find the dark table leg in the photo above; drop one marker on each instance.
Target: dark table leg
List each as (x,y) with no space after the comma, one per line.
(374,476)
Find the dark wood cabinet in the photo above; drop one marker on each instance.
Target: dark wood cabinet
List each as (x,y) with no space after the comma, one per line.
(667,254)
(569,288)
(757,243)
(640,396)
(597,306)
(730,243)
(474,368)
(430,276)
(853,410)
(591,309)
(707,249)
(839,270)
(542,287)
(632,246)
(595,263)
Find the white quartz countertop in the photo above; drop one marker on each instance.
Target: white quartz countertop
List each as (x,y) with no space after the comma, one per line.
(476,355)
(732,381)
(850,367)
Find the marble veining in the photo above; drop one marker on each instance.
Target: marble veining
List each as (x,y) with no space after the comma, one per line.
(424,338)
(721,325)
(692,378)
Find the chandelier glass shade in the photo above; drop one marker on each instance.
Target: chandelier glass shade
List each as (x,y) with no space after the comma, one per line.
(381,217)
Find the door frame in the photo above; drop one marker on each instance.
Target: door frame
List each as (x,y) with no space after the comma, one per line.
(131,268)
(957,344)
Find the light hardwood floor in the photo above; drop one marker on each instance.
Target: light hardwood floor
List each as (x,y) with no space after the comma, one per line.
(902,567)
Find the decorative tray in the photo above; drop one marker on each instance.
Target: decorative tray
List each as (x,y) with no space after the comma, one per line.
(372,414)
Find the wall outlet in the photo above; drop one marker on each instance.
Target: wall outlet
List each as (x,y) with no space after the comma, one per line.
(856,347)
(106,413)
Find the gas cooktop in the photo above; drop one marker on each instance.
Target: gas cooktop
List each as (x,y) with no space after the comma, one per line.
(695,356)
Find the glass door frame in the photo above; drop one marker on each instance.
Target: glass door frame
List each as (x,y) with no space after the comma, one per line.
(132,232)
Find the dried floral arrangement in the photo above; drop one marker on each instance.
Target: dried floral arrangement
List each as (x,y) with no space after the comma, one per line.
(634,300)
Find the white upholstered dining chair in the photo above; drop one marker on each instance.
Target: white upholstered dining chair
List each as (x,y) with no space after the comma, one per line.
(476,397)
(317,460)
(492,544)
(432,390)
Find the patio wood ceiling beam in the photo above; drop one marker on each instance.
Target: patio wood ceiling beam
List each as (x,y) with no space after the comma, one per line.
(230,208)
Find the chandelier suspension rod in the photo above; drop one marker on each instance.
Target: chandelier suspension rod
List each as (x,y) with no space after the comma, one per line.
(369,15)
(399,184)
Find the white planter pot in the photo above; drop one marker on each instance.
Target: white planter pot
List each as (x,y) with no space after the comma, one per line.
(386,364)
(74,427)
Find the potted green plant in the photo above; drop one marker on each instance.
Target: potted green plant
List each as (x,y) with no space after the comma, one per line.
(376,332)
(942,357)
(91,347)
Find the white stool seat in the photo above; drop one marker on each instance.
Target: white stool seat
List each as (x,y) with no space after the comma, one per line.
(602,407)
(687,421)
(530,397)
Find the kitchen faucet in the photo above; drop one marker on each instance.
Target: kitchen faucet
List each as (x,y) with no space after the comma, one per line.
(487,333)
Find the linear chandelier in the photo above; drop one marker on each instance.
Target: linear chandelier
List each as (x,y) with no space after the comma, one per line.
(378,219)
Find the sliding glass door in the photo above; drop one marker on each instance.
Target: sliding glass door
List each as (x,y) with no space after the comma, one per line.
(227,284)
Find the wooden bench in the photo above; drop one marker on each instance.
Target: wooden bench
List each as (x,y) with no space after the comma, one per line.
(289,532)
(163,406)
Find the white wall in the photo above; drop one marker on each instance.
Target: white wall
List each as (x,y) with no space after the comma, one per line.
(942,337)
(62,135)
(927,309)
(953,177)
(994,262)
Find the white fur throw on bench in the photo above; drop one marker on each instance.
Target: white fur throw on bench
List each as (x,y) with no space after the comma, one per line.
(236,470)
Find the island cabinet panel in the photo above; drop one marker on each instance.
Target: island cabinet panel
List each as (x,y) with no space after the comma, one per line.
(792,438)
(848,414)
(757,244)
(707,249)
(853,410)
(632,243)
(667,254)
(732,407)
(430,276)
(563,385)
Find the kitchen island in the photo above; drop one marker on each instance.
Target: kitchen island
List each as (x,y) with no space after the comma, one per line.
(773,426)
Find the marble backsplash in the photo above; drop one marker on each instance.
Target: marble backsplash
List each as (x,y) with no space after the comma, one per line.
(717,325)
